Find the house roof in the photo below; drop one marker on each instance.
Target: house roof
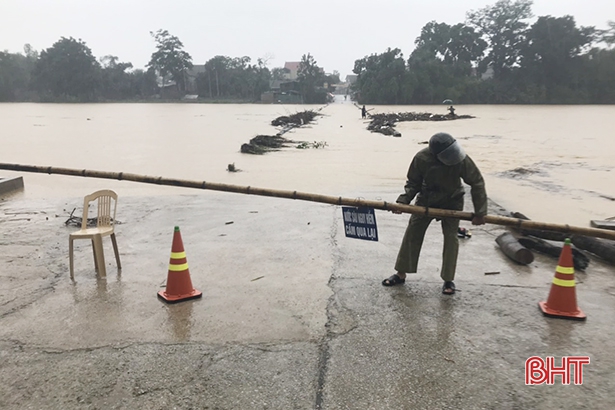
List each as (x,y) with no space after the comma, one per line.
(292,65)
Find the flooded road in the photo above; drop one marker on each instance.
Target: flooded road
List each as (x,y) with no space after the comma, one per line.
(293,314)
(553,163)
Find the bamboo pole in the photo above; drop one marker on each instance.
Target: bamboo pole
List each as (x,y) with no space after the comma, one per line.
(303,196)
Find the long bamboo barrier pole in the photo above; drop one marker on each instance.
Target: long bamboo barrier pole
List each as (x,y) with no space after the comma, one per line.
(303,196)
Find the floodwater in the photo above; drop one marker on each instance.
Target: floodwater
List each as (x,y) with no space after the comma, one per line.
(553,163)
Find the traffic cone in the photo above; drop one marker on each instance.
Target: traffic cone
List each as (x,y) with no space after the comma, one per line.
(179,286)
(562,301)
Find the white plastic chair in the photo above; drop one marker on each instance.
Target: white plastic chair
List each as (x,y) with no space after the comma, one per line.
(105,220)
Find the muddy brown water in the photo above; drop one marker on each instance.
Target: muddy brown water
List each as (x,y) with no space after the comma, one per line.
(553,163)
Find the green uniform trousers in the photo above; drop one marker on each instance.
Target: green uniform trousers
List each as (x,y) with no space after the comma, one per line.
(408,256)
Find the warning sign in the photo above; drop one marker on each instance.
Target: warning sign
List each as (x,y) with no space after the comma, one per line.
(360,223)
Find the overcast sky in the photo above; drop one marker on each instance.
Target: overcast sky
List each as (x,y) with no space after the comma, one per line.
(335,32)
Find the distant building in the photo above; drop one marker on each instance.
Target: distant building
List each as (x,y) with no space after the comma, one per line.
(340,89)
(293,69)
(286,86)
(282,92)
(283,85)
(351,78)
(274,85)
(281,97)
(167,84)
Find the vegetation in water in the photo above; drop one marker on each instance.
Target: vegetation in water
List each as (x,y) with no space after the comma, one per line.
(315,144)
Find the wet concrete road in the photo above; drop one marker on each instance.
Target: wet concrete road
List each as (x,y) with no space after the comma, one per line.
(293,315)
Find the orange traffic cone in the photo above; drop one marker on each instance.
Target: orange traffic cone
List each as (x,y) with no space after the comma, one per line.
(562,301)
(179,285)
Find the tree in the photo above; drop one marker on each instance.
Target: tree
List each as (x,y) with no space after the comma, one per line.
(11,77)
(170,59)
(608,35)
(552,52)
(443,62)
(311,79)
(503,26)
(115,81)
(259,78)
(279,73)
(334,78)
(67,70)
(237,78)
(598,73)
(30,52)
(16,74)
(143,84)
(214,78)
(383,78)
(452,44)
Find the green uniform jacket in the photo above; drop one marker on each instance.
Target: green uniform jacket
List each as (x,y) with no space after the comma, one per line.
(439,185)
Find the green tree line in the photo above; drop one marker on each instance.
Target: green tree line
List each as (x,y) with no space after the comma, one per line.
(495,56)
(68,72)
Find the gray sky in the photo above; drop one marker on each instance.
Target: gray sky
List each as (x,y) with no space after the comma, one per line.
(335,32)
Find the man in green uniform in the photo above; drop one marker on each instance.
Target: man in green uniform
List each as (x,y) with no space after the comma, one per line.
(435,174)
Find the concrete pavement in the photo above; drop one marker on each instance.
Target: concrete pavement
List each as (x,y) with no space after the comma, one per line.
(293,315)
